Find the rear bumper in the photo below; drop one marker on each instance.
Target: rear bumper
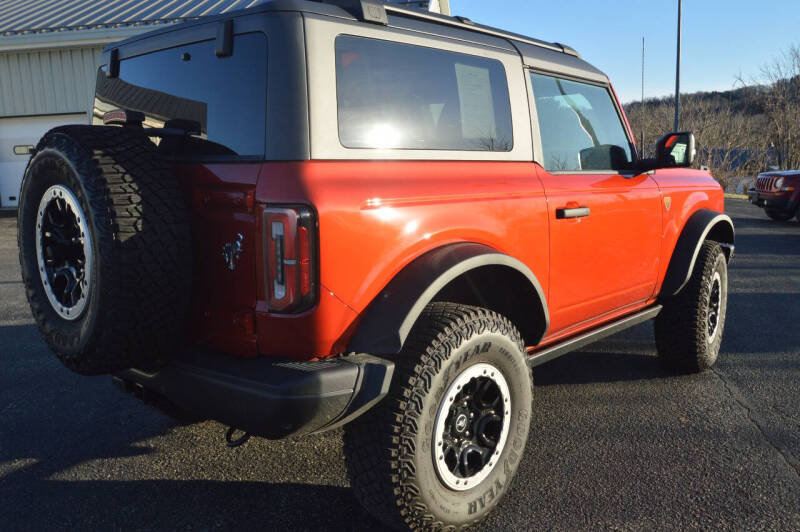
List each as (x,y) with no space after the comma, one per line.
(265,397)
(774,201)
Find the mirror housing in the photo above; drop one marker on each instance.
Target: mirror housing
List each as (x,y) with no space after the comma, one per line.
(676,150)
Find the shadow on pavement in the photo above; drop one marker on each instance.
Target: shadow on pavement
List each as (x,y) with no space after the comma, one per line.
(768,244)
(53,422)
(175,504)
(55,418)
(764,223)
(592,367)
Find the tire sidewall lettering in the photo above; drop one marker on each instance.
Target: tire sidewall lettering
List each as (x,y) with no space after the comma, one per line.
(496,349)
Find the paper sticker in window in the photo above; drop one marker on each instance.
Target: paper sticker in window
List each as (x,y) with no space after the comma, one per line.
(475,97)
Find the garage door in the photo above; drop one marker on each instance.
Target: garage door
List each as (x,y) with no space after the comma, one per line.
(17,136)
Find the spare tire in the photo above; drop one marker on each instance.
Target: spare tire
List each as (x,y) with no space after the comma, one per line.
(105,248)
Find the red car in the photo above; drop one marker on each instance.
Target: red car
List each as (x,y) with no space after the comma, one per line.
(307,215)
(778,193)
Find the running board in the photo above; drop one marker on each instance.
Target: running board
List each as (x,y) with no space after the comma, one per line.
(549,353)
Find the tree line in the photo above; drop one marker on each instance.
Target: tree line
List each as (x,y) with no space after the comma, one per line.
(741,132)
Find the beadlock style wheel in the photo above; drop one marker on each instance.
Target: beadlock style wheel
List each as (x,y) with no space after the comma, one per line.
(471,427)
(105,248)
(441,450)
(64,251)
(690,326)
(714,306)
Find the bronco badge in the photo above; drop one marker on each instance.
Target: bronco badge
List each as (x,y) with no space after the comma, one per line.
(232,250)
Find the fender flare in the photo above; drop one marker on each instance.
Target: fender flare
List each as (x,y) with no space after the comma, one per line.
(388,319)
(703,224)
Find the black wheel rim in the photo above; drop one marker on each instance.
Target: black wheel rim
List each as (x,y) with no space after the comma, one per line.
(63,251)
(714,306)
(472,426)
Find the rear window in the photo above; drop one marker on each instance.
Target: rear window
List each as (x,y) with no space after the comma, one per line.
(225,98)
(401,96)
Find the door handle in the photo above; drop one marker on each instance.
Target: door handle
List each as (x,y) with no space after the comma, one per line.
(575,212)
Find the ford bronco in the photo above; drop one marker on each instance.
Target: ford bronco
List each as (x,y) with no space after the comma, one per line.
(307,215)
(778,193)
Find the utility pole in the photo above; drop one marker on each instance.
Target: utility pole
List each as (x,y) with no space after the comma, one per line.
(678,71)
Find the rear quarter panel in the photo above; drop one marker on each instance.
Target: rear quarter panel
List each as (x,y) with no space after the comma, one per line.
(375,217)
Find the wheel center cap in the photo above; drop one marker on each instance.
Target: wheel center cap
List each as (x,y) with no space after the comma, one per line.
(461,423)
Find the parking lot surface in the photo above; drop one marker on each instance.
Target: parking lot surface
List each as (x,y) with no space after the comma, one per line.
(616,442)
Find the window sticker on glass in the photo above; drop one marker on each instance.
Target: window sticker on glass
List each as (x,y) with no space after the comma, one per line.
(399,96)
(475,99)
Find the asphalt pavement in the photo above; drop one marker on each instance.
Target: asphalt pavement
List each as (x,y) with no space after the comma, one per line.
(616,442)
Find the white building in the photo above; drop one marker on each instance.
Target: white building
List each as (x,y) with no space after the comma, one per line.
(49,52)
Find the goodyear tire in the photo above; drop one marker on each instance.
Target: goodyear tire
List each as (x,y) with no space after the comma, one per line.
(105,248)
(690,326)
(443,447)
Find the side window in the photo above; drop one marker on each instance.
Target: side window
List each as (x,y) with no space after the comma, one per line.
(393,95)
(223,99)
(579,126)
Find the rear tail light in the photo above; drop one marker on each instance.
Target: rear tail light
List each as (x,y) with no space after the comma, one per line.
(290,258)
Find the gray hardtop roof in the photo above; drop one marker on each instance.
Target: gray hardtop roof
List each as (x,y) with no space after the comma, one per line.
(551,57)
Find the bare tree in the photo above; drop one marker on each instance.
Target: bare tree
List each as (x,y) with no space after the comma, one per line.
(781,103)
(740,132)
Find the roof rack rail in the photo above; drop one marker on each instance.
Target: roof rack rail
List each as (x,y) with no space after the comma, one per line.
(375,11)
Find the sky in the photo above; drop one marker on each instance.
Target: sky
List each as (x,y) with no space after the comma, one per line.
(722,39)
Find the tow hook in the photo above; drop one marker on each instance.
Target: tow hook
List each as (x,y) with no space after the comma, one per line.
(241,440)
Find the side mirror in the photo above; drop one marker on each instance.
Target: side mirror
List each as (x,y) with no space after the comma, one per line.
(675,150)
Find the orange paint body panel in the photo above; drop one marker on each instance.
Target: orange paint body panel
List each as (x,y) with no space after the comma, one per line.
(608,259)
(376,217)
(686,191)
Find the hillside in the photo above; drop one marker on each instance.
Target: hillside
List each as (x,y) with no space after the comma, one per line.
(739,132)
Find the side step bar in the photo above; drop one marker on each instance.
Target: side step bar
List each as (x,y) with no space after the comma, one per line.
(571,344)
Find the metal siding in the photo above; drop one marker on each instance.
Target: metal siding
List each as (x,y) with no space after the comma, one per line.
(36,16)
(47,81)
(6,98)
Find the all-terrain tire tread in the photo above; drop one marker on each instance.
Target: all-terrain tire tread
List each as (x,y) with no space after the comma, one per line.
(680,333)
(142,227)
(380,444)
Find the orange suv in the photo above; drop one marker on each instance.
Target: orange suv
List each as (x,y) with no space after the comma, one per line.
(307,215)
